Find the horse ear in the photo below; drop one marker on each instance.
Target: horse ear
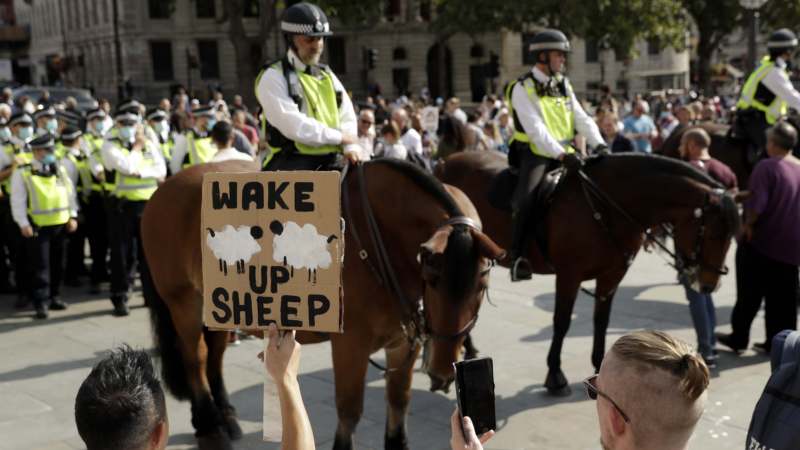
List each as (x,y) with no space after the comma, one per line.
(487,247)
(431,254)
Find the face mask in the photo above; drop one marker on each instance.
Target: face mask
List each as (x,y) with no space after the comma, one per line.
(100,127)
(210,124)
(49,159)
(5,133)
(25,133)
(51,126)
(127,133)
(162,128)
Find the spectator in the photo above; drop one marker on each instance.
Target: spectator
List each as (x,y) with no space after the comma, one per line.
(650,394)
(607,101)
(121,405)
(474,139)
(639,127)
(453,108)
(609,128)
(7,97)
(410,137)
(5,112)
(222,137)
(769,251)
(389,145)
(239,121)
(366,132)
(505,127)
(667,122)
(694,149)
(238,103)
(165,104)
(452,137)
(685,116)
(492,134)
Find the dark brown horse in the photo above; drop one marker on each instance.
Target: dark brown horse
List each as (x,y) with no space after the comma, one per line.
(436,257)
(594,229)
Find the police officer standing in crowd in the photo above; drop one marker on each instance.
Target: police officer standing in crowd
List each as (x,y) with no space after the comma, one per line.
(134,166)
(46,120)
(195,146)
(5,269)
(767,93)
(308,115)
(546,115)
(44,206)
(158,123)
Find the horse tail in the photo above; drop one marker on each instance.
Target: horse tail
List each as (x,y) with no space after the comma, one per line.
(173,371)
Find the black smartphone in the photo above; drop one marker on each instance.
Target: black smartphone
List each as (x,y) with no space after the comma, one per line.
(475,392)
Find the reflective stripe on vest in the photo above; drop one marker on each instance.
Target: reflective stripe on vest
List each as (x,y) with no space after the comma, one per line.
(748,100)
(135,188)
(200,150)
(48,197)
(556,112)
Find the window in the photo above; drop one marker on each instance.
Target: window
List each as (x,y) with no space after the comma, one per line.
(401,80)
(476,51)
(399,54)
(592,51)
(337,57)
(653,47)
(159,9)
(251,8)
(205,9)
(208,54)
(161,60)
(527,54)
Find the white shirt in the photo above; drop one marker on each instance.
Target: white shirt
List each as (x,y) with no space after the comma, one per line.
(114,159)
(19,198)
(179,151)
(778,82)
(397,151)
(282,112)
(530,117)
(367,145)
(412,140)
(460,115)
(227,154)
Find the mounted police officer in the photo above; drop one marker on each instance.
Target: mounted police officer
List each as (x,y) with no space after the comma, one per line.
(44,207)
(546,115)
(767,93)
(134,166)
(307,114)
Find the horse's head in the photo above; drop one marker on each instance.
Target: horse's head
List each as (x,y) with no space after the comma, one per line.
(702,238)
(455,264)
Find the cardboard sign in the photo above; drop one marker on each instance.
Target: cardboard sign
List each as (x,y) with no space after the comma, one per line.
(429,118)
(272,250)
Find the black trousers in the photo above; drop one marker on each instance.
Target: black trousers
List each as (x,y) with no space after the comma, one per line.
(76,250)
(17,254)
(45,255)
(5,242)
(95,227)
(286,160)
(753,125)
(532,169)
(126,244)
(759,277)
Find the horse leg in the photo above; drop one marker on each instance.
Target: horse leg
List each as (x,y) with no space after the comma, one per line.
(470,351)
(206,417)
(566,291)
(606,288)
(350,358)
(398,393)
(217,342)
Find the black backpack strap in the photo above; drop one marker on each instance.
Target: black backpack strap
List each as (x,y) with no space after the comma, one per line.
(287,71)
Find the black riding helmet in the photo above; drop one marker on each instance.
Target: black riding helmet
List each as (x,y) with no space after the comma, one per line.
(781,41)
(548,40)
(305,19)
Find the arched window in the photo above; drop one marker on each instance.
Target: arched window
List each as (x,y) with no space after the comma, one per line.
(399,54)
(476,51)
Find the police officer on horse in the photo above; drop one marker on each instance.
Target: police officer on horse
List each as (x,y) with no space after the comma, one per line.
(767,93)
(546,115)
(307,115)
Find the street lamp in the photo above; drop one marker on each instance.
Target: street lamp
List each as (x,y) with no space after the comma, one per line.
(752,7)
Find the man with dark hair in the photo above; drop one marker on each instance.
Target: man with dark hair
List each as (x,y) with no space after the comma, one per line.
(769,251)
(121,404)
(223,136)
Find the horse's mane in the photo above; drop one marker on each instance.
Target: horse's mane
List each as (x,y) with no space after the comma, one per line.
(460,245)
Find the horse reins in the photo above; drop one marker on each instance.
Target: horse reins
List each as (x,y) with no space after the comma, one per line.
(381,266)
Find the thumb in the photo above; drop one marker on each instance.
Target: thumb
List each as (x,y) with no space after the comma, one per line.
(469,431)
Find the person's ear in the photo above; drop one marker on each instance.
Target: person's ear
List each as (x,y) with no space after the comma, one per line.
(160,436)
(618,424)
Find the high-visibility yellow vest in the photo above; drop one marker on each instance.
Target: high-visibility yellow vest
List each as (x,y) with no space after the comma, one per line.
(321,102)
(60,150)
(198,149)
(556,111)
(776,108)
(48,197)
(88,182)
(134,188)
(22,154)
(95,150)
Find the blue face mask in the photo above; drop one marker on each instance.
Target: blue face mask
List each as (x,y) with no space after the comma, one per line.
(210,124)
(100,127)
(51,126)
(161,127)
(25,133)
(127,133)
(49,159)
(5,133)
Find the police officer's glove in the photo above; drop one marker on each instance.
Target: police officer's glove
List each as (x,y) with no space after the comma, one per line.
(601,149)
(572,161)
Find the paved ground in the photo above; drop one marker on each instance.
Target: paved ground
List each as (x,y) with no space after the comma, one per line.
(44,362)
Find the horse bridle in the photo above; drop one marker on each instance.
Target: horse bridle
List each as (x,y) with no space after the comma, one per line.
(686,265)
(414,324)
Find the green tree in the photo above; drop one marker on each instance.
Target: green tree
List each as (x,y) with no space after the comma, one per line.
(714,19)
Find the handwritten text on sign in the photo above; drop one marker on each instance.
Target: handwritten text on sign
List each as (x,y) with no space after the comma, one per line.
(272,250)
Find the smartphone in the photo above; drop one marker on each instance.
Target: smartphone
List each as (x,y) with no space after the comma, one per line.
(475,393)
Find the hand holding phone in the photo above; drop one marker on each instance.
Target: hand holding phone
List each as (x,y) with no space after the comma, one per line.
(463,434)
(475,393)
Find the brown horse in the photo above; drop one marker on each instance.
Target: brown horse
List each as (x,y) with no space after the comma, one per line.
(422,276)
(593,229)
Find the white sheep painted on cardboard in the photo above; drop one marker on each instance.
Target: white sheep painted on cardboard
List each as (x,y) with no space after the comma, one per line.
(234,245)
(300,247)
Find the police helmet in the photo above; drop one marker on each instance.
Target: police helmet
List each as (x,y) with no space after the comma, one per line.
(782,40)
(547,40)
(305,19)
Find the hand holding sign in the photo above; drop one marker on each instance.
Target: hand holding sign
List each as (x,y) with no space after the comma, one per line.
(282,355)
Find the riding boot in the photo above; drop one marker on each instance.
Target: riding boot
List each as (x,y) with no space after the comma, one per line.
(521,268)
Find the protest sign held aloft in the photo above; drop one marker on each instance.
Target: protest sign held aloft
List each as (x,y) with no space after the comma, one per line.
(272,250)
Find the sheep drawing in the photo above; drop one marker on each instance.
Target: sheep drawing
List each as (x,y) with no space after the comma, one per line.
(234,245)
(300,247)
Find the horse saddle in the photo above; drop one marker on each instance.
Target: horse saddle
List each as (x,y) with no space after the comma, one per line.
(502,186)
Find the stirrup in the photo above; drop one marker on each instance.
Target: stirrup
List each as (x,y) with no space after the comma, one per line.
(521,269)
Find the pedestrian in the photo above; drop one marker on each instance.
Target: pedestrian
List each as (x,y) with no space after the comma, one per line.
(45,119)
(474,139)
(609,127)
(366,133)
(453,137)
(769,251)
(194,146)
(75,161)
(159,126)
(134,165)
(389,145)
(222,138)
(44,207)
(505,128)
(453,108)
(639,127)
(410,138)
(240,123)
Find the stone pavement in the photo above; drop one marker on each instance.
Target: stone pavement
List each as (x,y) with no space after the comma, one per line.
(44,362)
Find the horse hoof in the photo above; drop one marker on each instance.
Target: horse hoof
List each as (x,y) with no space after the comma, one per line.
(214,441)
(557,384)
(232,427)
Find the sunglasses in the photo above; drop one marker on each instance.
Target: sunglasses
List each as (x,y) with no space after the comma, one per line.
(367,122)
(591,390)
